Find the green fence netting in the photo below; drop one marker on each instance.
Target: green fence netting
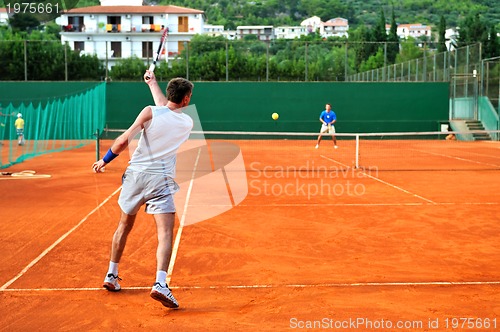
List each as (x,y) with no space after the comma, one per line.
(51,126)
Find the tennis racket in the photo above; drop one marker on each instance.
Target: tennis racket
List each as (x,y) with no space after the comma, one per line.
(163,39)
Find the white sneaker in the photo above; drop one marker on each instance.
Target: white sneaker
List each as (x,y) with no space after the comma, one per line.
(111,283)
(336,147)
(317,146)
(164,295)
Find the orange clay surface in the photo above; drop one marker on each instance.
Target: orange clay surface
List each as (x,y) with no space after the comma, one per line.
(404,250)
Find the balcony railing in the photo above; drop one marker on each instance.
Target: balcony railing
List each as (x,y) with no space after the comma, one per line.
(115,28)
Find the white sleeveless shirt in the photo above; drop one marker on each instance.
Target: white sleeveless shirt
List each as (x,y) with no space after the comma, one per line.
(159,141)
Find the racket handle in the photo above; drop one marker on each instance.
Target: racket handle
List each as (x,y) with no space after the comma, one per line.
(151,68)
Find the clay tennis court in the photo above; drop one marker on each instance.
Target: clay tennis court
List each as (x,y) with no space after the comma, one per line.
(313,244)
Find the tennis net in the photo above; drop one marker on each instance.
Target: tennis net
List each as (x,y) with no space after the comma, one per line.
(409,151)
(51,125)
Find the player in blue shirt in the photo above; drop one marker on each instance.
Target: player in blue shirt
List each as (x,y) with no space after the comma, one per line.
(327,118)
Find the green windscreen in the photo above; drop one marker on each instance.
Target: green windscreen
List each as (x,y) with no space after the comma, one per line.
(52,125)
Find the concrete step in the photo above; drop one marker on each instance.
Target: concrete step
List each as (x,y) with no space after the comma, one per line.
(474,125)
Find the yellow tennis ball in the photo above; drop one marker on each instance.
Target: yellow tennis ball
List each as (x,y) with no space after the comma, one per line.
(275,116)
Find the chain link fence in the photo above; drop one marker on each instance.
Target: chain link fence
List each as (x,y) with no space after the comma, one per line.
(238,60)
(490,79)
(438,67)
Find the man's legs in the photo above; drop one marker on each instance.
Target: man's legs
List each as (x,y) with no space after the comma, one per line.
(334,141)
(321,131)
(120,237)
(165,230)
(117,246)
(319,140)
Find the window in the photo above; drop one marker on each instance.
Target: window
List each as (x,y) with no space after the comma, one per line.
(116,49)
(181,45)
(183,24)
(75,23)
(79,46)
(147,20)
(114,24)
(147,49)
(114,20)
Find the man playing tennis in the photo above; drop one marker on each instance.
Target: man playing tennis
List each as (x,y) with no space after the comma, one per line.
(327,118)
(149,178)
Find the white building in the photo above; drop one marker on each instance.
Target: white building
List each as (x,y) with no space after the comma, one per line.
(312,25)
(4,16)
(289,32)
(124,28)
(414,30)
(230,34)
(218,30)
(213,30)
(336,27)
(451,38)
(263,32)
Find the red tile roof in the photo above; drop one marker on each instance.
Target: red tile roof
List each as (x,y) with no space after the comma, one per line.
(411,26)
(335,23)
(134,10)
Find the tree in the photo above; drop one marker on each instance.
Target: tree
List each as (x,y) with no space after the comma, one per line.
(379,32)
(393,39)
(53,28)
(374,61)
(23,22)
(128,69)
(492,46)
(441,47)
(409,51)
(358,38)
(84,66)
(12,59)
(378,36)
(472,30)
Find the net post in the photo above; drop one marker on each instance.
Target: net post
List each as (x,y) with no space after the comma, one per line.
(97,145)
(357,151)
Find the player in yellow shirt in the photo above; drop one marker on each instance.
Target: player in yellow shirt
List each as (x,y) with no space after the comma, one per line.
(19,124)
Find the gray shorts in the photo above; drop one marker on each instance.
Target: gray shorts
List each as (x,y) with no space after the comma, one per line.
(156,191)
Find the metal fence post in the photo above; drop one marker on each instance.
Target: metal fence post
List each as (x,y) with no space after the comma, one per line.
(227,61)
(306,63)
(186,47)
(66,61)
(25,60)
(267,60)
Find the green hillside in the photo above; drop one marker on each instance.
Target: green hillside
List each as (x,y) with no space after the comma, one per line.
(232,13)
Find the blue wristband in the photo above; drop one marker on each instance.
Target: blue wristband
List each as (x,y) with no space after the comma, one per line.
(109,156)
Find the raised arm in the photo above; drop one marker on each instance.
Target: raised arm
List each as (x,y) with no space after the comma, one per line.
(158,96)
(123,140)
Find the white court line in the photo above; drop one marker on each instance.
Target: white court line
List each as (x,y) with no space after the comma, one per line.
(53,245)
(384,182)
(483,155)
(325,285)
(177,242)
(457,158)
(348,204)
